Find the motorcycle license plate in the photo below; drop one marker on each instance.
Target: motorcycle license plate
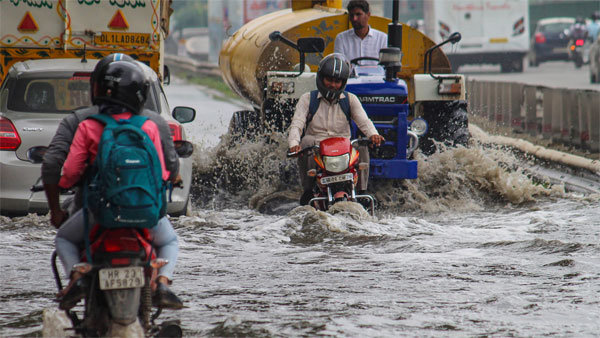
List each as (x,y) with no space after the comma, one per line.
(337,178)
(121,278)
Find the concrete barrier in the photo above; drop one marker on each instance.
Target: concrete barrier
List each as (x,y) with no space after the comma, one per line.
(569,117)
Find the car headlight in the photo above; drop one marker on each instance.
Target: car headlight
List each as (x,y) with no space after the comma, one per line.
(336,164)
(419,126)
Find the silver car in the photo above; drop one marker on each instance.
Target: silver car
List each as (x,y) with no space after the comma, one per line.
(34,97)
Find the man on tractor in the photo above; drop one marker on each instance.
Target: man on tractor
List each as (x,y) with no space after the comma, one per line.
(362,40)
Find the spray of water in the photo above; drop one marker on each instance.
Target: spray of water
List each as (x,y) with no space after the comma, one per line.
(255,173)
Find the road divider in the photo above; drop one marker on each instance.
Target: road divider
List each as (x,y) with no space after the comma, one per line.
(563,116)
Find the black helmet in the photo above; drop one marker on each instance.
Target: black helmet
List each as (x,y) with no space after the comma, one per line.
(596,16)
(123,83)
(103,62)
(336,66)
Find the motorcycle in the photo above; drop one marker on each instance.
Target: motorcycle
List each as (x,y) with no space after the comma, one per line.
(577,47)
(336,176)
(119,279)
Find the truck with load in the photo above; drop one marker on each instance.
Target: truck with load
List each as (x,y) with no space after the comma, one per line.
(53,29)
(411,97)
(493,31)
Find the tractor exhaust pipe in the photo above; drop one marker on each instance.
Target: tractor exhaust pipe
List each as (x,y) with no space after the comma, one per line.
(395,28)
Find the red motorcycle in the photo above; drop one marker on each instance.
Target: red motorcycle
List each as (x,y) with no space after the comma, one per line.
(119,283)
(119,273)
(336,176)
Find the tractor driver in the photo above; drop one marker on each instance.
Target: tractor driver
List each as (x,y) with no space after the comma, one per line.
(329,120)
(361,40)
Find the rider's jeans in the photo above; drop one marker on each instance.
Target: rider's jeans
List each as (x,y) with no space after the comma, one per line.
(69,239)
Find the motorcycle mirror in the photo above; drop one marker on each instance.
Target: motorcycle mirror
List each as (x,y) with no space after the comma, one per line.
(311,45)
(36,154)
(274,36)
(454,37)
(184,114)
(184,148)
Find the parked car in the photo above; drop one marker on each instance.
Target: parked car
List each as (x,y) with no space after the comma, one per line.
(550,40)
(34,98)
(595,61)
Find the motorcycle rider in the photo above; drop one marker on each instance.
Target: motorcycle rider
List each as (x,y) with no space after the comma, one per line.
(329,120)
(578,30)
(70,235)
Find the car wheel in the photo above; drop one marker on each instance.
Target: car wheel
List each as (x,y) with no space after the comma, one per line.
(185,211)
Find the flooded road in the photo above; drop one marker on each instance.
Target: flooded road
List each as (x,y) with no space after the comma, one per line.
(474,247)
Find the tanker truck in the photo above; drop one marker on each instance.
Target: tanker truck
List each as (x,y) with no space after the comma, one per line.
(412,97)
(54,29)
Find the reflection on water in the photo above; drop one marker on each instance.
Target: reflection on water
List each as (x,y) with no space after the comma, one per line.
(473,247)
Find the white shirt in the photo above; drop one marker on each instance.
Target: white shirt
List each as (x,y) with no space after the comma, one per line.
(349,44)
(328,121)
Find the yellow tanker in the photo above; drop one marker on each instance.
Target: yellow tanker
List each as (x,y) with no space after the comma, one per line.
(248,54)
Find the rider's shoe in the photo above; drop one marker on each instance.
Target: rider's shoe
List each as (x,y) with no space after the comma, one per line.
(306,197)
(165,298)
(76,292)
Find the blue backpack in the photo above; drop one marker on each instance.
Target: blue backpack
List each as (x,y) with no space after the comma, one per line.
(126,189)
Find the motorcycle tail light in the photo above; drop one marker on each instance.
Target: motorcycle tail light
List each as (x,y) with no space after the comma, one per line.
(121,244)
(336,164)
(540,38)
(579,42)
(158,263)
(175,131)
(9,137)
(572,47)
(120,261)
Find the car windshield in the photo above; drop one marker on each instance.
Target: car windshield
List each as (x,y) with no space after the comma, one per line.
(56,94)
(558,27)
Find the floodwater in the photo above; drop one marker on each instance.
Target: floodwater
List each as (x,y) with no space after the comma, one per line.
(476,247)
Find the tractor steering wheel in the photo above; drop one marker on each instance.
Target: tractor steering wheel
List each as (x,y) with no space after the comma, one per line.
(355,61)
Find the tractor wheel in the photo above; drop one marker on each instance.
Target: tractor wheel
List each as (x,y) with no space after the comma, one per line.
(244,125)
(448,123)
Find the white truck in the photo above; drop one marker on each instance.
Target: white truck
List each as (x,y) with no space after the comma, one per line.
(493,31)
(51,29)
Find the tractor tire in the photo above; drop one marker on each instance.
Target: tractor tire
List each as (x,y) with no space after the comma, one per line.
(244,125)
(448,123)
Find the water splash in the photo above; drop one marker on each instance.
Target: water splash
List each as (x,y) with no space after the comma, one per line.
(255,173)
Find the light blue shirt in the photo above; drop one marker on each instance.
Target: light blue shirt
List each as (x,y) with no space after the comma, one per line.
(593,27)
(349,44)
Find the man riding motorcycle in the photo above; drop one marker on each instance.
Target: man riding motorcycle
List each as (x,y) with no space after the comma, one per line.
(329,120)
(70,236)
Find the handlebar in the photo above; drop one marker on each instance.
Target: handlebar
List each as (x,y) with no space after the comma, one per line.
(298,153)
(366,58)
(359,141)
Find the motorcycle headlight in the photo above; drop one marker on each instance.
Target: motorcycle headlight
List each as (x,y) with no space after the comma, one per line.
(419,126)
(336,164)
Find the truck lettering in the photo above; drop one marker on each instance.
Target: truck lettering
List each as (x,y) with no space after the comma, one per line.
(124,3)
